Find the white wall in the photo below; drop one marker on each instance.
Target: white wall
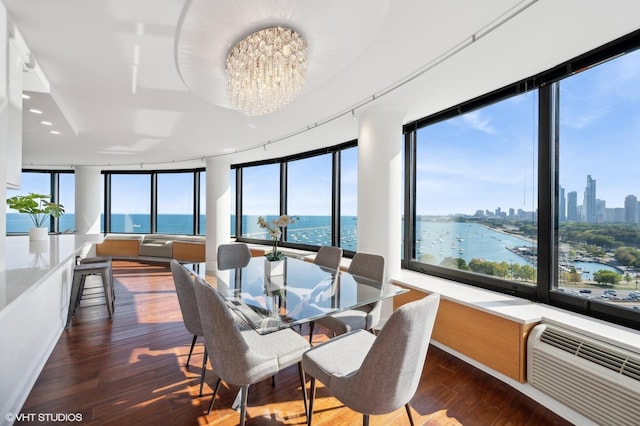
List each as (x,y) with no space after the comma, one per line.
(218,206)
(4,134)
(88,200)
(380,183)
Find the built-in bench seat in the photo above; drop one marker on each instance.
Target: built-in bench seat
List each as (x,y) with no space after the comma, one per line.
(160,247)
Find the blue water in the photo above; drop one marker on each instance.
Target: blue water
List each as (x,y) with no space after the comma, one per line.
(468,241)
(439,239)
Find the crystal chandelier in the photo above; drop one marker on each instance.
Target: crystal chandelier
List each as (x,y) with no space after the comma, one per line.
(266,70)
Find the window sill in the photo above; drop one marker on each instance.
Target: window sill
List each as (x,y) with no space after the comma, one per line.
(520,310)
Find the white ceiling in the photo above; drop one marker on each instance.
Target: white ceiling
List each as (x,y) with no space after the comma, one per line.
(417,54)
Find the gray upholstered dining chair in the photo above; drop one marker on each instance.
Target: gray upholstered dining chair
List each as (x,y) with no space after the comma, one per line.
(375,375)
(329,257)
(244,357)
(233,255)
(364,317)
(189,309)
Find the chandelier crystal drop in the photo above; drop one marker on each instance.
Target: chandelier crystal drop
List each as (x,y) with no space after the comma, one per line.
(266,70)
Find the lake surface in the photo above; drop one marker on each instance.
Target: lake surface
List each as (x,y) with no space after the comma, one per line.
(439,239)
(465,240)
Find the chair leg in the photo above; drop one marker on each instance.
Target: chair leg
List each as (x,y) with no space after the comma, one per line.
(409,413)
(243,404)
(303,387)
(193,342)
(108,291)
(311,326)
(204,370)
(312,395)
(365,420)
(213,398)
(75,297)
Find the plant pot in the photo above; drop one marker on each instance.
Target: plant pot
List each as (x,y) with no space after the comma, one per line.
(38,234)
(273,268)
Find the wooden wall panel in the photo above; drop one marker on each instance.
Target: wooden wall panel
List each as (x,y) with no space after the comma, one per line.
(494,341)
(189,252)
(114,247)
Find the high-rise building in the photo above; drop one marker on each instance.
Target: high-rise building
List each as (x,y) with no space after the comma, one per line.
(562,208)
(618,215)
(589,203)
(631,209)
(601,207)
(572,206)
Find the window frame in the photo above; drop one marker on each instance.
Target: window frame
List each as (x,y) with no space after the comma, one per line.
(547,85)
(283,162)
(153,174)
(54,191)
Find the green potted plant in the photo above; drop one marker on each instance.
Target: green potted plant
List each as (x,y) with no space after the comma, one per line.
(39,208)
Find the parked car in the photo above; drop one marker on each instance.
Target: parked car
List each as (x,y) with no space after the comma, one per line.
(585,290)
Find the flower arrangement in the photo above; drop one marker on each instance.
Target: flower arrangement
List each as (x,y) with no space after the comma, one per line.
(275,232)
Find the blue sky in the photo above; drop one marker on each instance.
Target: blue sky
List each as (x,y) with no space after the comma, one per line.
(487,158)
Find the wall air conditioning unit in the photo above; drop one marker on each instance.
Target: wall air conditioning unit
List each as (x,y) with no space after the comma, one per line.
(596,379)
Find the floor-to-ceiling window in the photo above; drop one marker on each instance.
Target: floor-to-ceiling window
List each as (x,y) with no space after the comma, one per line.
(155,202)
(318,189)
(130,199)
(532,189)
(309,195)
(202,205)
(67,197)
(175,203)
(60,186)
(348,199)
(599,234)
(476,191)
(260,197)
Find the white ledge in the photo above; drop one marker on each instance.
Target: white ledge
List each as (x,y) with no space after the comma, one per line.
(520,310)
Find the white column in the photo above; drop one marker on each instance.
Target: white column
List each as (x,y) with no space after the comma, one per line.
(4,121)
(379,184)
(88,200)
(218,206)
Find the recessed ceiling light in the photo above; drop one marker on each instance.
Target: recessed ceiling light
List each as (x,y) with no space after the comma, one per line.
(25,96)
(54,132)
(35,111)
(47,123)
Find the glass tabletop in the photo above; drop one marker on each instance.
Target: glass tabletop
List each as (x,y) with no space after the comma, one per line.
(272,296)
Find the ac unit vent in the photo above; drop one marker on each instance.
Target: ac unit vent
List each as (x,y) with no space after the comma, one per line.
(587,349)
(594,378)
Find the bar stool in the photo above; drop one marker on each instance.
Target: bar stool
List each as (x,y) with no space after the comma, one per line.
(81,271)
(99,259)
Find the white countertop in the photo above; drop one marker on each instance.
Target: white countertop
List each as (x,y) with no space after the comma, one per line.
(29,262)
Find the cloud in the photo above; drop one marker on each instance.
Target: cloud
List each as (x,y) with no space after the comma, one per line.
(476,120)
(581,119)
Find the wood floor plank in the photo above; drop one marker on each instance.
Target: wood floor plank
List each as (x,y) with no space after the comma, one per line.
(131,370)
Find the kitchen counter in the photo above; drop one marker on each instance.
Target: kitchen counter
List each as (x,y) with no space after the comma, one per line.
(28,263)
(34,301)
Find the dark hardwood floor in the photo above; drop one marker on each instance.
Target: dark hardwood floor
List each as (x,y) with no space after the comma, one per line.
(132,371)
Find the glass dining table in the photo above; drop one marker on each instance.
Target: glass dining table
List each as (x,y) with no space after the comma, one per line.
(271,298)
